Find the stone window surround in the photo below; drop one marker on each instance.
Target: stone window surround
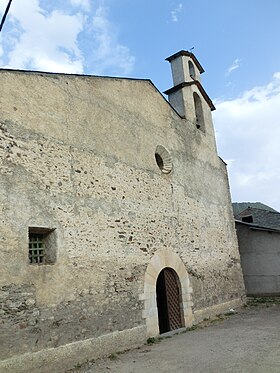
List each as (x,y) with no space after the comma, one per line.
(163,159)
(49,244)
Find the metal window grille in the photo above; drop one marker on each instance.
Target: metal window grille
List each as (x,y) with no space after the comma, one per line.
(36,248)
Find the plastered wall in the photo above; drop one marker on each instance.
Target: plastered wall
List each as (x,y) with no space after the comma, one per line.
(78,156)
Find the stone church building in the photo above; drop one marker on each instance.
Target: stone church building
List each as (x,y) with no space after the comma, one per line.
(116,218)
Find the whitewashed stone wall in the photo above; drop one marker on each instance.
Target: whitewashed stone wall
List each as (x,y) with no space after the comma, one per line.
(78,155)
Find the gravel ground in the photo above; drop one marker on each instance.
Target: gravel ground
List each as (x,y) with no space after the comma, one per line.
(248,341)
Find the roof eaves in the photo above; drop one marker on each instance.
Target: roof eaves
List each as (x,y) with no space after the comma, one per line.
(188,54)
(49,73)
(265,229)
(257,227)
(199,86)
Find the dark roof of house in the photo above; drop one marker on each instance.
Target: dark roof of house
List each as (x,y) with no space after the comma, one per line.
(260,217)
(238,207)
(257,227)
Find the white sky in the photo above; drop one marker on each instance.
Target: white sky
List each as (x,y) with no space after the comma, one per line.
(248,134)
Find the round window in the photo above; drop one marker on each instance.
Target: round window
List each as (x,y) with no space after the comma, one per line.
(163,159)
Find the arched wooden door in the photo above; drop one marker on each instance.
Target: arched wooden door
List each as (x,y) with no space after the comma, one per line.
(169,301)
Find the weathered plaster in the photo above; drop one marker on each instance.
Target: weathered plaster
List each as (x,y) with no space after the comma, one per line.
(78,155)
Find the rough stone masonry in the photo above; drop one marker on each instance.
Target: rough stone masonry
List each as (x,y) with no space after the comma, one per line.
(104,185)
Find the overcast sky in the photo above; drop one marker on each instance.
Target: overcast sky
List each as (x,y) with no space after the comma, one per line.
(236,41)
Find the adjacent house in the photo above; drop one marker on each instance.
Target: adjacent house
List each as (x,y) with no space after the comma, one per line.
(258,232)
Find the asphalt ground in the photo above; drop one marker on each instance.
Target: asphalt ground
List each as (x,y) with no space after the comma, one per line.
(247,341)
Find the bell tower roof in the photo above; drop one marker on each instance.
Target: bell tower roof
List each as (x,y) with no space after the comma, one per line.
(188,54)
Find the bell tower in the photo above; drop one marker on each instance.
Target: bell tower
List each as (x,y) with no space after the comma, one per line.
(187,96)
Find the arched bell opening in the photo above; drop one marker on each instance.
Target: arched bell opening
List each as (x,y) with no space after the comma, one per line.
(191,69)
(198,112)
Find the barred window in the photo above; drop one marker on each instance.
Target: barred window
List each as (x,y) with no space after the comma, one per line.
(42,246)
(36,248)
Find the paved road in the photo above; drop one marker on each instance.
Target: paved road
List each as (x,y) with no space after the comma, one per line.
(246,342)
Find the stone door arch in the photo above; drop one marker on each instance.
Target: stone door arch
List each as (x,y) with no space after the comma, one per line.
(165,259)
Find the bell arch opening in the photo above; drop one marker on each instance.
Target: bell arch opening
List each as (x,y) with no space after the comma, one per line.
(198,112)
(191,70)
